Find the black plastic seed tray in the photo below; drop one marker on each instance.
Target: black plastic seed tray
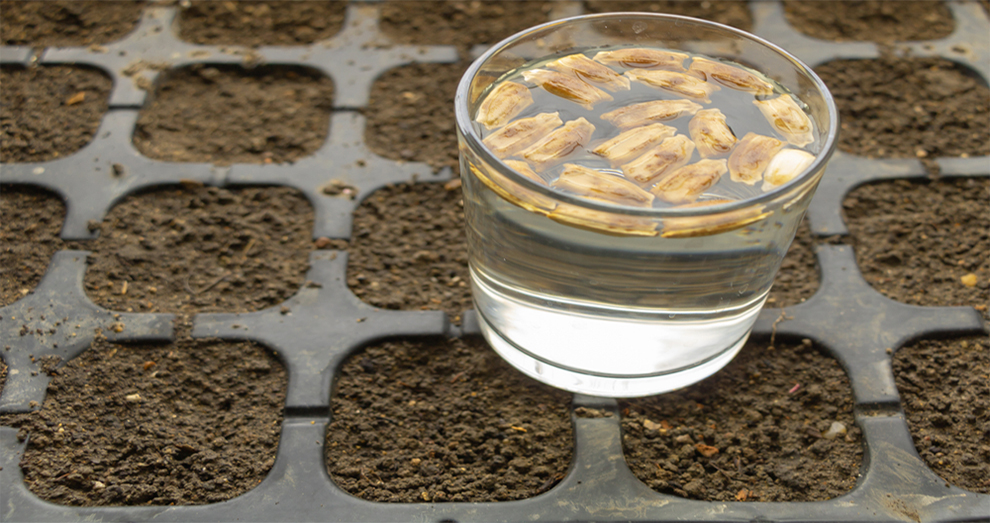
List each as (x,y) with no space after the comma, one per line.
(853,323)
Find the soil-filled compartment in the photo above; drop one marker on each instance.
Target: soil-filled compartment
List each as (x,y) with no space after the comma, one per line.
(30,221)
(945,396)
(924,242)
(438,420)
(923,108)
(67,23)
(226,114)
(190,422)
(255,23)
(201,249)
(776,424)
(728,12)
(871,20)
(49,112)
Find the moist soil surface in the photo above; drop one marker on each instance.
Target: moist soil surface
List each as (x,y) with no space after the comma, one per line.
(909,108)
(444,420)
(732,13)
(924,243)
(873,20)
(201,249)
(195,421)
(49,112)
(224,115)
(457,22)
(758,430)
(943,387)
(260,23)
(30,220)
(75,23)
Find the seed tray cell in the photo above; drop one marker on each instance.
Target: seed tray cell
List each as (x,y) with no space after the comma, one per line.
(315,330)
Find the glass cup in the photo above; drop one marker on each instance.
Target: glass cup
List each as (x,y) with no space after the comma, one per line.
(620,301)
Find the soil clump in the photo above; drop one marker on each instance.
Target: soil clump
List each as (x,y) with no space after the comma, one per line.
(254,23)
(49,112)
(758,430)
(444,420)
(924,242)
(224,115)
(943,389)
(155,424)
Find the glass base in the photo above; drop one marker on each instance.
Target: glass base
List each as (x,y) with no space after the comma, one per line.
(605,386)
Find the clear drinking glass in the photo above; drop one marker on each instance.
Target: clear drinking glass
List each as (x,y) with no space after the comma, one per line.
(613,300)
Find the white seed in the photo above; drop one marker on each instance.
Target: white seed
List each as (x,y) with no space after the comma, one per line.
(785,166)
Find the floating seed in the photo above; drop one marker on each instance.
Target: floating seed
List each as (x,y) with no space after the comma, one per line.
(711,134)
(686,184)
(557,145)
(785,166)
(751,157)
(596,185)
(730,76)
(512,192)
(590,71)
(634,142)
(567,87)
(679,83)
(503,104)
(672,154)
(524,169)
(692,226)
(649,112)
(643,58)
(603,222)
(788,119)
(521,134)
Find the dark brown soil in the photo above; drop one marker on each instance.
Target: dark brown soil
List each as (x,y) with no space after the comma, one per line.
(411,114)
(201,249)
(924,243)
(460,23)
(30,220)
(180,423)
(755,431)
(874,20)
(943,386)
(254,23)
(49,112)
(64,23)
(444,420)
(224,115)
(731,13)
(909,107)
(409,250)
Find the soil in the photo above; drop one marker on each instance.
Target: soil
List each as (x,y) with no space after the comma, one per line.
(30,220)
(456,22)
(444,420)
(253,23)
(876,20)
(411,114)
(223,115)
(179,423)
(798,278)
(732,13)
(201,249)
(67,23)
(755,431)
(909,107)
(49,112)
(943,387)
(924,243)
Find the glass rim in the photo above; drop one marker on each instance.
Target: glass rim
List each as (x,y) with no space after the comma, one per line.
(465,125)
